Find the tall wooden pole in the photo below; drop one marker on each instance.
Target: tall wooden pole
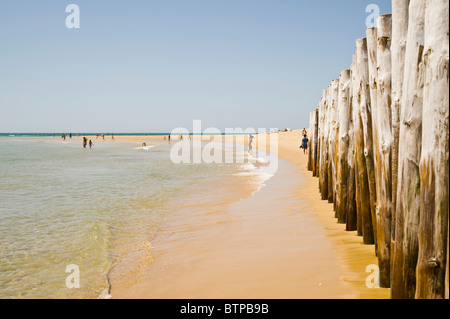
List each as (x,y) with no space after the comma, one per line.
(323,176)
(383,143)
(315,144)
(342,174)
(352,218)
(362,128)
(434,166)
(311,133)
(410,141)
(400,12)
(368,97)
(333,101)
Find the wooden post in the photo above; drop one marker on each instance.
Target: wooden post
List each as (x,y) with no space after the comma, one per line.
(366,116)
(315,143)
(342,174)
(335,138)
(382,147)
(311,132)
(333,100)
(410,139)
(352,219)
(323,176)
(363,199)
(400,12)
(371,35)
(434,167)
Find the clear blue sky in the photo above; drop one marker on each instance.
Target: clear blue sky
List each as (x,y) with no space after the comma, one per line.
(151,66)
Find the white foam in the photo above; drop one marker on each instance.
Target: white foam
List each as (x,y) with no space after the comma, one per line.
(146,148)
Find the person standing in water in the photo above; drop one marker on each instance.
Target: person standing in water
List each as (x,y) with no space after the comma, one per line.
(304,145)
(250,141)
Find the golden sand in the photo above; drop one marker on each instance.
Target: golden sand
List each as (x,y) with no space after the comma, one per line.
(283,242)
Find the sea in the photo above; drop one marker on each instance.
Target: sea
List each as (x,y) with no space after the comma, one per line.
(68,215)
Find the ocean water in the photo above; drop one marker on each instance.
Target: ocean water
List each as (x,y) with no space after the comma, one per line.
(64,205)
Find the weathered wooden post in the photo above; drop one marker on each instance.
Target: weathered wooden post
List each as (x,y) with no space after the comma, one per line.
(311,132)
(434,169)
(400,13)
(364,207)
(383,141)
(366,116)
(342,167)
(371,35)
(315,143)
(372,38)
(323,176)
(335,138)
(410,141)
(333,99)
(352,219)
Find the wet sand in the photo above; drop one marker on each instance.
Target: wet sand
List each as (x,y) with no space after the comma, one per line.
(283,242)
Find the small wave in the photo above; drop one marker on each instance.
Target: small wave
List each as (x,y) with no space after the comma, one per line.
(257,172)
(11,135)
(145,148)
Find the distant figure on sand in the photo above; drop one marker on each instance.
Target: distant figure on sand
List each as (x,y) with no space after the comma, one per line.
(112,136)
(304,131)
(250,141)
(304,145)
(90,144)
(168,137)
(84,142)
(144,144)
(63,136)
(103,136)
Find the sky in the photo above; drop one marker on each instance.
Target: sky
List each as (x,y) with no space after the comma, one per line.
(151,66)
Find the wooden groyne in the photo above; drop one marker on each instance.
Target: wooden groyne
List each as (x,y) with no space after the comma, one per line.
(380,146)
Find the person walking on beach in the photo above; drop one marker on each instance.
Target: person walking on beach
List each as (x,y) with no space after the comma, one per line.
(90,144)
(112,136)
(84,142)
(63,136)
(304,145)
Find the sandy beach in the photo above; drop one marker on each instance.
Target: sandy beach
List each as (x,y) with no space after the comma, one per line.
(282,242)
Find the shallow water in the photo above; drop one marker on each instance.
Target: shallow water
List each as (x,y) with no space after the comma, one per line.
(61,204)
